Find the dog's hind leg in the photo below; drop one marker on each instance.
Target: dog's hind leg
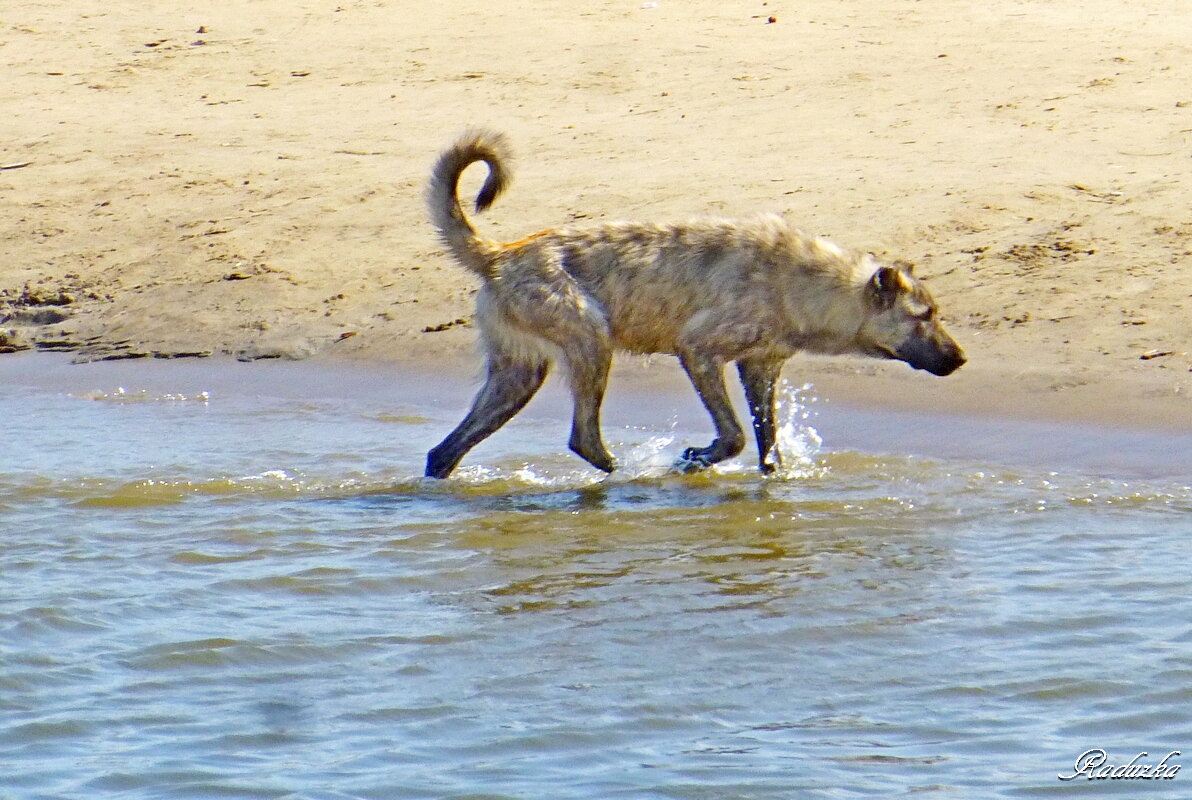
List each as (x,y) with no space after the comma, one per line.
(707,376)
(559,310)
(509,386)
(759,376)
(588,365)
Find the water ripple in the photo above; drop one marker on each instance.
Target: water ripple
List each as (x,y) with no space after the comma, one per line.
(262,598)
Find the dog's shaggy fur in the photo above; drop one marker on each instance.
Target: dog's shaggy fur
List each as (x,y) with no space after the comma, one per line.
(708,291)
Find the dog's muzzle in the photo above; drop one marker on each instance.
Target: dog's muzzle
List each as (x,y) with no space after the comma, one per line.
(938,358)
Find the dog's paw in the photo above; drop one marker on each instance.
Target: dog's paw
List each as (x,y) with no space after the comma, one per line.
(694,459)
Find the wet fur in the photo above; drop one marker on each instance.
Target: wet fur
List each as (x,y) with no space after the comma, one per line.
(710,292)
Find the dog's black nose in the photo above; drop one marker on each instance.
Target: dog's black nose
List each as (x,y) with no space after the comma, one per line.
(948,364)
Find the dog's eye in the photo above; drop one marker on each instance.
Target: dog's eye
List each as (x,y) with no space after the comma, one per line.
(926,316)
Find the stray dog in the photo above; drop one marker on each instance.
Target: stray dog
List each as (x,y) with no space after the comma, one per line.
(708,291)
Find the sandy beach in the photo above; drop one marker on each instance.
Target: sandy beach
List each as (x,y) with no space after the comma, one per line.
(246,181)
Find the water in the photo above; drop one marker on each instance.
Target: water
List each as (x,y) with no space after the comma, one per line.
(249,593)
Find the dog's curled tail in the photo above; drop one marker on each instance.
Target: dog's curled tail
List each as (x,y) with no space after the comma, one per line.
(473,251)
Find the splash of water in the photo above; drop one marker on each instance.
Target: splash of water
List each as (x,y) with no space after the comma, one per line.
(648,458)
(797,441)
(635,460)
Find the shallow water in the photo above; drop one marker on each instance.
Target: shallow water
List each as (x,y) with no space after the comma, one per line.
(226,580)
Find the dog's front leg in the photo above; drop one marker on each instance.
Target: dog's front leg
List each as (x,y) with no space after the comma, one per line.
(707,376)
(759,376)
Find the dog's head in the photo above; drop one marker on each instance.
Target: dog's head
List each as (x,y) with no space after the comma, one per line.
(901,323)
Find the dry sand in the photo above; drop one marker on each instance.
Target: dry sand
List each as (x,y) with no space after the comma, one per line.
(247,180)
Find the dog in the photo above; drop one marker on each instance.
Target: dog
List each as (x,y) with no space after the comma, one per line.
(709,291)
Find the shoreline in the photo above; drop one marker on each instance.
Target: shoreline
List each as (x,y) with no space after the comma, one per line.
(658,398)
(975,392)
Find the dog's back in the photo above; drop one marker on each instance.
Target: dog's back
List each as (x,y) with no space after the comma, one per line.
(650,280)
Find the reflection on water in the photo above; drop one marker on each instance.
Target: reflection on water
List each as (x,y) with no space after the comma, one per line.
(215,590)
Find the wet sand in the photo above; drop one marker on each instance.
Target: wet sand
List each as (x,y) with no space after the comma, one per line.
(658,400)
(246,181)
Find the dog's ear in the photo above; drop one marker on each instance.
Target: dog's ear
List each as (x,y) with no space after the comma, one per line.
(883,288)
(905,266)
